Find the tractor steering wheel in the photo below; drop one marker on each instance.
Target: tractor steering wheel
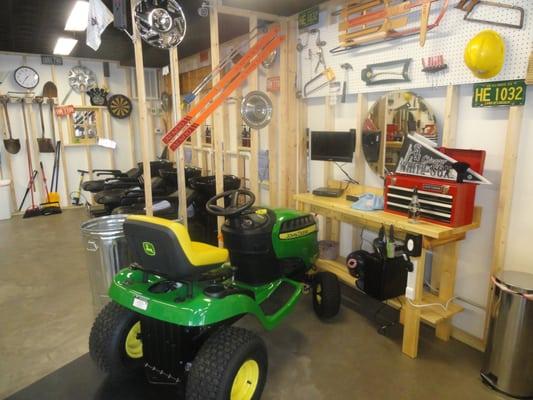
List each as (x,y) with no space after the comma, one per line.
(233,209)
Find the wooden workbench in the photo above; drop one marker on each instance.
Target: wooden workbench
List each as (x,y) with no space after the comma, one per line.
(440,239)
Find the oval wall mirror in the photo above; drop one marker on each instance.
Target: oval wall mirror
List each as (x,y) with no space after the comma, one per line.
(390,119)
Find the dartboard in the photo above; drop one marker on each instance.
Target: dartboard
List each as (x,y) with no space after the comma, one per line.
(119,106)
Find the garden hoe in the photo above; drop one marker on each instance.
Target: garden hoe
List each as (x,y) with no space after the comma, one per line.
(12,145)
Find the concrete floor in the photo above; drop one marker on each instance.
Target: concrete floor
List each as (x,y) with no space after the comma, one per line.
(46,315)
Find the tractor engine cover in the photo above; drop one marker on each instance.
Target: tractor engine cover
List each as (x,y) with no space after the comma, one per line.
(248,239)
(267,244)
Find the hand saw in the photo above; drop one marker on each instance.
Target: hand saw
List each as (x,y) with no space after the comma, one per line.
(232,74)
(200,114)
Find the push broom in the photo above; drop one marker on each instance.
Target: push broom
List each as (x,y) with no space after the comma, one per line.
(50,207)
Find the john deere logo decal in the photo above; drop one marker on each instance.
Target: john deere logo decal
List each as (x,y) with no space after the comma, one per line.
(149,248)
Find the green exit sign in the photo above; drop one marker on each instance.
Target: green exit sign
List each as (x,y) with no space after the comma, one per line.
(308,17)
(503,93)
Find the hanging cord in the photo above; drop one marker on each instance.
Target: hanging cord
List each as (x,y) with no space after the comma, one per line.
(444,307)
(350,179)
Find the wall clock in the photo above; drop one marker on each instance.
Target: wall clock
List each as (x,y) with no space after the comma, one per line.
(26,77)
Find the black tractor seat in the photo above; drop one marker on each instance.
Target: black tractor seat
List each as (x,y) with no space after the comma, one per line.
(164,248)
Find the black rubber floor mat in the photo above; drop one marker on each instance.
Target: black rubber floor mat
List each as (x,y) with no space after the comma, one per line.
(278,299)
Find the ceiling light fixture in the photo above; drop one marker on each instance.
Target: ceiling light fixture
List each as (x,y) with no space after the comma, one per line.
(77,20)
(64,46)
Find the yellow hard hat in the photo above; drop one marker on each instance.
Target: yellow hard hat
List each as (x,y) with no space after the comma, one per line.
(485,54)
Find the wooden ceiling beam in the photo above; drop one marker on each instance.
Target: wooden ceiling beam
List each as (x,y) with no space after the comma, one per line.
(241,12)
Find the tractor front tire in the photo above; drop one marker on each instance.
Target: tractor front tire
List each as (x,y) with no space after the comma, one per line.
(326,295)
(114,343)
(232,364)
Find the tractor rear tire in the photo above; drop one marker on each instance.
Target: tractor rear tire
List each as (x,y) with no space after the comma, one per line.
(326,295)
(112,330)
(232,364)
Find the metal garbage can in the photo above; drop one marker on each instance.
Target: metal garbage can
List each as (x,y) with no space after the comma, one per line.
(107,253)
(5,199)
(508,364)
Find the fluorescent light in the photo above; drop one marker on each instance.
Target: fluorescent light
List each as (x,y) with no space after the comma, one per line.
(64,46)
(77,20)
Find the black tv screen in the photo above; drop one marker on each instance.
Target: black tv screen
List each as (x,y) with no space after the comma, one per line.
(333,146)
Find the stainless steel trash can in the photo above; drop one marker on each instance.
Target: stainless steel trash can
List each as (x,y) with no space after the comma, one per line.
(106,253)
(508,365)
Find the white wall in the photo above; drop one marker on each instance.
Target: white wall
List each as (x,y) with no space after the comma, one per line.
(75,156)
(482,129)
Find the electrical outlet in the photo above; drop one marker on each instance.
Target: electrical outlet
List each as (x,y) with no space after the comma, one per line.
(411,282)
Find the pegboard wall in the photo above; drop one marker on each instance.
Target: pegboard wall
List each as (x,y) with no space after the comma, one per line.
(449,39)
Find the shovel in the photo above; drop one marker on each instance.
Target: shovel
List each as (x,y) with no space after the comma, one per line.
(50,90)
(45,144)
(12,145)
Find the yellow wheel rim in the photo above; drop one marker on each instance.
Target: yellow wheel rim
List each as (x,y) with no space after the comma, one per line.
(245,382)
(318,294)
(134,345)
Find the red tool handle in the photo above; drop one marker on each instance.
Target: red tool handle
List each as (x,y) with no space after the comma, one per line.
(227,91)
(226,79)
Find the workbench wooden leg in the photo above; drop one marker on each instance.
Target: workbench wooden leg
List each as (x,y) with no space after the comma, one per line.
(411,330)
(445,258)
(335,230)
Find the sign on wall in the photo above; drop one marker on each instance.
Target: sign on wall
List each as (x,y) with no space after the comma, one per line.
(308,17)
(503,93)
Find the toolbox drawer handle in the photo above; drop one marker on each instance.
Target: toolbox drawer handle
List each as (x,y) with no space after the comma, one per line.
(92,246)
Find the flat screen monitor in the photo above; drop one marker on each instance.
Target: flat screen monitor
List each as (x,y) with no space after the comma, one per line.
(333,146)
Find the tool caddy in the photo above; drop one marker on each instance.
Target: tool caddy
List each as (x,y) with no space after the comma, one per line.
(442,201)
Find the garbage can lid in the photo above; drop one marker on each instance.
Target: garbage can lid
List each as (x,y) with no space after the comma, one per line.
(517,281)
(104,226)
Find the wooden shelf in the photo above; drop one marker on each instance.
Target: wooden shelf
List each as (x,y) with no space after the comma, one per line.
(430,315)
(338,268)
(341,209)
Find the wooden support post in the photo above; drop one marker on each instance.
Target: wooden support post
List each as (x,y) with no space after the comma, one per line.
(285,115)
(273,129)
(217,127)
(361,111)
(180,155)
(503,214)
(253,82)
(241,12)
(328,166)
(445,260)
(141,93)
(109,131)
(411,331)
(131,127)
(226,138)
(292,113)
(450,116)
(7,161)
(302,146)
(241,170)
(439,269)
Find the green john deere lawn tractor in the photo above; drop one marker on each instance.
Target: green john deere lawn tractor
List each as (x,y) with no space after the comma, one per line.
(172,310)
